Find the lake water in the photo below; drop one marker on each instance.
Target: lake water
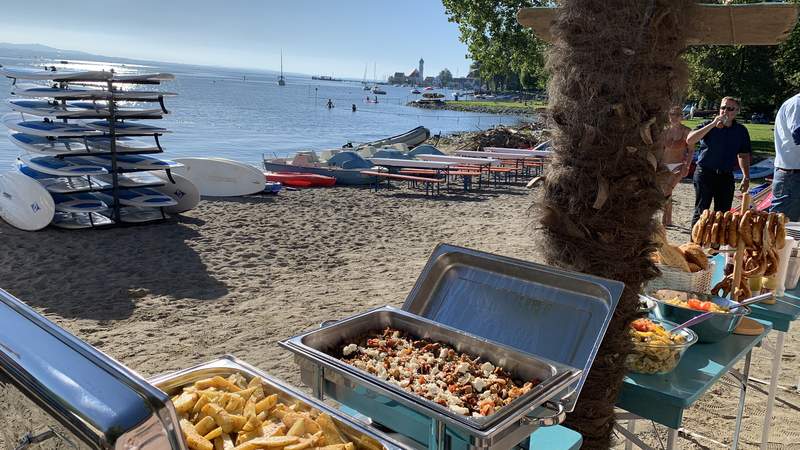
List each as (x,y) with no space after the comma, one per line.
(242,115)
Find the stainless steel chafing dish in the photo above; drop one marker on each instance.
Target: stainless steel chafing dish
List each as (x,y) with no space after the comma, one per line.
(58,392)
(532,319)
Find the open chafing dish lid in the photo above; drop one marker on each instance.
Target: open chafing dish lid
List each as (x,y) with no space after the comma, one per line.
(542,310)
(100,402)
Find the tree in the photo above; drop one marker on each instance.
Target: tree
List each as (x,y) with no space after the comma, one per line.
(506,52)
(445,77)
(608,108)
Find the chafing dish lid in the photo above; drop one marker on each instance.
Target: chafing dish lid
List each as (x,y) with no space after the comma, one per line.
(96,398)
(542,310)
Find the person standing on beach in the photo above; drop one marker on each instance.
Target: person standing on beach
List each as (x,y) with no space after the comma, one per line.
(676,151)
(724,142)
(786,180)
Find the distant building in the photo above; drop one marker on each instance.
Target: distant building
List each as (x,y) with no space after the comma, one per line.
(421,74)
(398,78)
(429,81)
(413,77)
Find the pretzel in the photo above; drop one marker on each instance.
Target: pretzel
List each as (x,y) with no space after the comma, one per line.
(780,231)
(733,230)
(753,266)
(715,234)
(746,228)
(699,228)
(758,229)
(723,288)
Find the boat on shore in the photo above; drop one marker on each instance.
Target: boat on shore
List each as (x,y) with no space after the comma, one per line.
(300,179)
(411,138)
(344,166)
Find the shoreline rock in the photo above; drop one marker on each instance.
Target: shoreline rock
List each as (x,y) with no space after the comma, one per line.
(457,106)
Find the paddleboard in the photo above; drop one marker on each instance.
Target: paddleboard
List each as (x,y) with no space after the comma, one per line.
(24,203)
(46,128)
(139,215)
(47,146)
(72,167)
(139,197)
(133,180)
(100,109)
(182,191)
(34,91)
(64,185)
(144,78)
(28,73)
(218,177)
(78,203)
(77,146)
(134,162)
(76,221)
(80,110)
(123,128)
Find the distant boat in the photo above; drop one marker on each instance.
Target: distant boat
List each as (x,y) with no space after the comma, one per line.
(377,90)
(324,78)
(281,80)
(411,138)
(428,88)
(415,91)
(344,166)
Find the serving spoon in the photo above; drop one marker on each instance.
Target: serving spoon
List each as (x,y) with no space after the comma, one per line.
(705,316)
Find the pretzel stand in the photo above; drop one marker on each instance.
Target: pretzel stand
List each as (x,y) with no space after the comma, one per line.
(747,326)
(755,238)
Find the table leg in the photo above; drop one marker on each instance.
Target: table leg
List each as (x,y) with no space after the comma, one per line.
(672,437)
(632,428)
(773,387)
(742,394)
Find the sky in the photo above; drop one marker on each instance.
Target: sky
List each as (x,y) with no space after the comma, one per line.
(319,37)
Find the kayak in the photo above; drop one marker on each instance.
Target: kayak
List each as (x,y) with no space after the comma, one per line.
(300,179)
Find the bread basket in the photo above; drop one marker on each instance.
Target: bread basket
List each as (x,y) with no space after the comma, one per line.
(673,278)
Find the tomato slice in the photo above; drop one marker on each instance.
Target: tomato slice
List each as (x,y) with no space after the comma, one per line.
(695,303)
(642,325)
(705,306)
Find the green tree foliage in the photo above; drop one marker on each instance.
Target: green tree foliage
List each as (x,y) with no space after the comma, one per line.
(445,77)
(509,56)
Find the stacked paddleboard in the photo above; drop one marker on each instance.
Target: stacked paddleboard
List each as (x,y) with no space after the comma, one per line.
(87,159)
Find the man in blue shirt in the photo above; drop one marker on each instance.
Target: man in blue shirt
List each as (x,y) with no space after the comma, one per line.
(786,182)
(724,145)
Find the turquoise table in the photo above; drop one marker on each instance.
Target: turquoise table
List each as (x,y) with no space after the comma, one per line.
(781,314)
(663,398)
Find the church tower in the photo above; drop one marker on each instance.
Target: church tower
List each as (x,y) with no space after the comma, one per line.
(421,73)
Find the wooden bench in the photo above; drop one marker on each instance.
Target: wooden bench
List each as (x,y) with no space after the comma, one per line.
(429,182)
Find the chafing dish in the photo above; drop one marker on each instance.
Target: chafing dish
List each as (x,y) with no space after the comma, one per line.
(172,383)
(58,392)
(64,393)
(504,309)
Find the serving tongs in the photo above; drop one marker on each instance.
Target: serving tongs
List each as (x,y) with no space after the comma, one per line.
(705,316)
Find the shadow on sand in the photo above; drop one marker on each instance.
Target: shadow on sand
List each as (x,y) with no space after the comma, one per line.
(100,274)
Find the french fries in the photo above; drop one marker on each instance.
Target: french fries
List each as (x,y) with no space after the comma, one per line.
(233,414)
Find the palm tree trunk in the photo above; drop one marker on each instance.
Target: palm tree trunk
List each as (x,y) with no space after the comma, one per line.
(615,70)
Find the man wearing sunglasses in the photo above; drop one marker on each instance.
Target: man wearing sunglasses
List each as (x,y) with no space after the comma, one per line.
(724,146)
(786,181)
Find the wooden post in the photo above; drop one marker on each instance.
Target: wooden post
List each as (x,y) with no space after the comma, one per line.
(738,257)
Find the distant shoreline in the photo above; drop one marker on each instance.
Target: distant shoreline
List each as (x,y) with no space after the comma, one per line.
(502,108)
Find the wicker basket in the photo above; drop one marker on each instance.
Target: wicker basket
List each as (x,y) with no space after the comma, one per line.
(672,278)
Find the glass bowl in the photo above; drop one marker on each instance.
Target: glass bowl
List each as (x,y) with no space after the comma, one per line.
(715,329)
(659,357)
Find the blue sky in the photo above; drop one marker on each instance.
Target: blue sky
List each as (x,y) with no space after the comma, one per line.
(322,37)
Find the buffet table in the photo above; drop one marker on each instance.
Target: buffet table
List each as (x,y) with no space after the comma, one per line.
(780,315)
(663,398)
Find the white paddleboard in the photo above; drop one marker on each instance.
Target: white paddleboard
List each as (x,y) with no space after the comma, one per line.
(139,215)
(24,203)
(183,191)
(27,73)
(132,180)
(133,162)
(34,91)
(64,185)
(78,203)
(139,197)
(68,167)
(79,109)
(46,128)
(124,145)
(77,221)
(123,128)
(47,146)
(122,110)
(218,177)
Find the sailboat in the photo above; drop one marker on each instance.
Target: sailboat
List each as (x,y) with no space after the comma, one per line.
(281,80)
(366,85)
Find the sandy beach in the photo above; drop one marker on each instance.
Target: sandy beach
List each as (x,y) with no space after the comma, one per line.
(237,275)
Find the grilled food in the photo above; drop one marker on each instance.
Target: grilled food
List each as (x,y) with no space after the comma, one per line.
(436,371)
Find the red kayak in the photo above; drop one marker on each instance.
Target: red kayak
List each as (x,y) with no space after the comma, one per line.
(301,180)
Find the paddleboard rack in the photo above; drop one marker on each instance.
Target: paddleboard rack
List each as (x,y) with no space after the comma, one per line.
(111,95)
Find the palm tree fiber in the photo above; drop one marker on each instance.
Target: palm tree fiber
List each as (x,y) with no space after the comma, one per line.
(615,69)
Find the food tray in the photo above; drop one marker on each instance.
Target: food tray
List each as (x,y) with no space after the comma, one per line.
(317,354)
(171,383)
